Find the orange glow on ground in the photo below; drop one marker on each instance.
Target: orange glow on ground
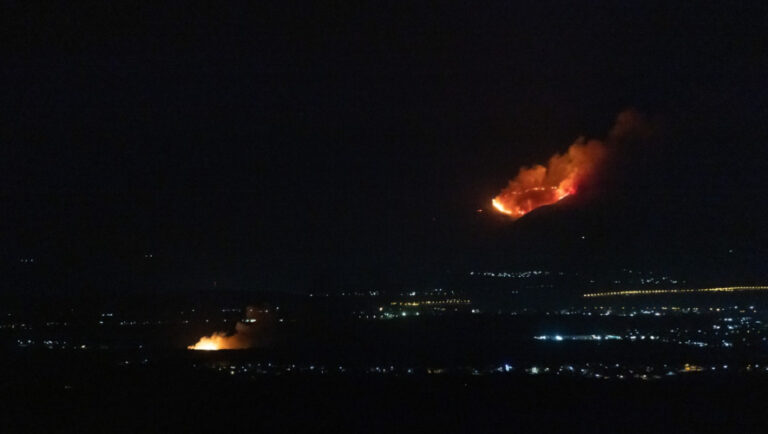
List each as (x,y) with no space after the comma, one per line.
(500,207)
(222,341)
(207,343)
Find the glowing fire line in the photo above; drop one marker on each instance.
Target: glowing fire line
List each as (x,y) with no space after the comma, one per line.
(518,212)
(500,207)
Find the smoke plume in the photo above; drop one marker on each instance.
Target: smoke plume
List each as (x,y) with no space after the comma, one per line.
(568,173)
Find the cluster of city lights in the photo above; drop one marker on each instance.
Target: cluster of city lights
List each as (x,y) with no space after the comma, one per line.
(430,302)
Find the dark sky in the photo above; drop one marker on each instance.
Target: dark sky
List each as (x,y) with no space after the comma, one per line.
(299,146)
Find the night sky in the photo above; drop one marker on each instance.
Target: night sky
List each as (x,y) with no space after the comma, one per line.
(342,145)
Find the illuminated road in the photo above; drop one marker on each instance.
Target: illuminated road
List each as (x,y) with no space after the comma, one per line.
(675,291)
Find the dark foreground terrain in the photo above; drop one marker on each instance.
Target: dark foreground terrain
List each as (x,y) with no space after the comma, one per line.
(74,396)
(328,368)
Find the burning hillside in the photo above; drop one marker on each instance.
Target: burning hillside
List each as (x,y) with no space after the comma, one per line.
(564,174)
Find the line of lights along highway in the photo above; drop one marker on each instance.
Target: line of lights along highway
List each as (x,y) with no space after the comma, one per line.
(675,291)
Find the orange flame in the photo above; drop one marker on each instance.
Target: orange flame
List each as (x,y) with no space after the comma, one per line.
(212,343)
(539,185)
(241,339)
